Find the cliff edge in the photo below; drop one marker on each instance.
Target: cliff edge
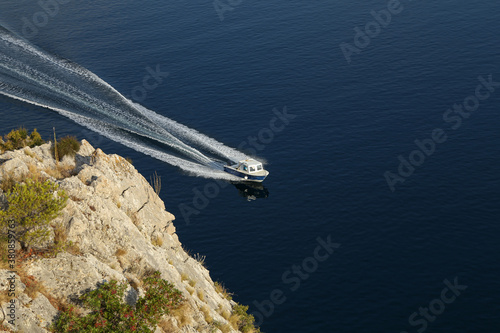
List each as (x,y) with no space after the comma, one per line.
(118,229)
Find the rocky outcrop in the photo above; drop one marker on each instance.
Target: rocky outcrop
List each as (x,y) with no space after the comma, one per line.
(119,229)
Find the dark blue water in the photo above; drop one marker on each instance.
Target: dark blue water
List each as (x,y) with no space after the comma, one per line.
(327,164)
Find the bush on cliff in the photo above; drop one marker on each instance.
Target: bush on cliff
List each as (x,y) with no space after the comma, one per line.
(110,313)
(31,207)
(243,321)
(19,139)
(68,145)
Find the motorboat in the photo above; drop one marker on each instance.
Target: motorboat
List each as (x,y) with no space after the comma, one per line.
(249,170)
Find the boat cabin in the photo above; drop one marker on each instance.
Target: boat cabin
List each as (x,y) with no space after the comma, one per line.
(250,166)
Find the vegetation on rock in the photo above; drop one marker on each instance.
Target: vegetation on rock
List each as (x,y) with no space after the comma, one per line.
(19,139)
(31,207)
(243,321)
(68,145)
(30,201)
(110,313)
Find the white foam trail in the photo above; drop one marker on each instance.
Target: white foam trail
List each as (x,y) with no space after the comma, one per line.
(127,140)
(120,136)
(194,136)
(187,133)
(31,75)
(115,114)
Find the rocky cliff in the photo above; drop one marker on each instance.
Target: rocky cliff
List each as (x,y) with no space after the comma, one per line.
(119,229)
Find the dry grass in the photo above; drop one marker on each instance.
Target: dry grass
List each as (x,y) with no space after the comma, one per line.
(148,272)
(29,153)
(157,241)
(201,295)
(4,263)
(183,314)
(73,249)
(59,304)
(60,233)
(61,242)
(120,252)
(199,258)
(192,283)
(190,290)
(4,259)
(234,320)
(184,277)
(8,182)
(134,282)
(55,173)
(206,314)
(4,296)
(188,252)
(60,171)
(223,291)
(167,326)
(224,313)
(226,328)
(156,182)
(33,287)
(34,173)
(75,199)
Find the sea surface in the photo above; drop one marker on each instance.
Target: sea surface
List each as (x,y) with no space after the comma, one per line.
(410,250)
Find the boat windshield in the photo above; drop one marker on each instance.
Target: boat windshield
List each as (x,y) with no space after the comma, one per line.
(254,167)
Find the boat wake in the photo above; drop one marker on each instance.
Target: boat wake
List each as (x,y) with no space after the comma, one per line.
(30,74)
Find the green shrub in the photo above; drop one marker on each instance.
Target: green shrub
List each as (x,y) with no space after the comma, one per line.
(68,145)
(36,139)
(7,146)
(244,321)
(19,139)
(31,206)
(110,313)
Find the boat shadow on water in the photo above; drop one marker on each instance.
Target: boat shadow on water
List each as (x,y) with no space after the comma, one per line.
(251,191)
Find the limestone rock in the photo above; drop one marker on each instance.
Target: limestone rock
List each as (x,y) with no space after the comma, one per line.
(120,230)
